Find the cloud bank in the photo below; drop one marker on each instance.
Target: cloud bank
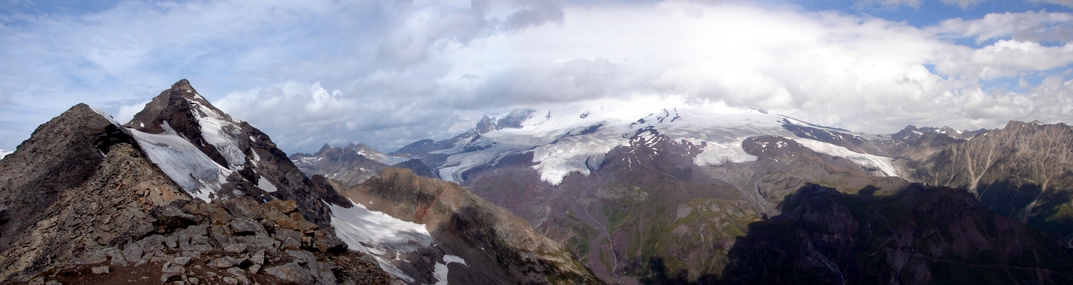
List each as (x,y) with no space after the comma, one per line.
(389,74)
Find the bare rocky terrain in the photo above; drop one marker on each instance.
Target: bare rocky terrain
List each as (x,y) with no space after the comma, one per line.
(81,204)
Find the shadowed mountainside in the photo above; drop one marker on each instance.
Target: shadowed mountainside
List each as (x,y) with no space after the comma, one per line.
(916,235)
(1023,171)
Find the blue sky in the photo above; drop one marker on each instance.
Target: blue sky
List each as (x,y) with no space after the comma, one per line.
(388,73)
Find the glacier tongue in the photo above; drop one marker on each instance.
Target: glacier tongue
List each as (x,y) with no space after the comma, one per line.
(884,164)
(183,162)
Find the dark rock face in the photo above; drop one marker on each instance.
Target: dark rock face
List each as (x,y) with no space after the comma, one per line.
(498,247)
(918,235)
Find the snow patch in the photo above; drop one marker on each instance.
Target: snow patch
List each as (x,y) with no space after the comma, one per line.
(440,272)
(717,154)
(266,185)
(183,162)
(4,153)
(377,234)
(884,164)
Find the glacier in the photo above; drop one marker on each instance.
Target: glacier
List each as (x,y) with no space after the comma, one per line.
(574,139)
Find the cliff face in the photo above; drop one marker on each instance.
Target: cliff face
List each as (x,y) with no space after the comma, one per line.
(1023,171)
(497,246)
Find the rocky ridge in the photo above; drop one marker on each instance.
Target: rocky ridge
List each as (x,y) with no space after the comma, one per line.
(81,203)
(1023,171)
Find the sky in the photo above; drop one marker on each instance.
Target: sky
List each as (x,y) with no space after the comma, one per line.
(387,73)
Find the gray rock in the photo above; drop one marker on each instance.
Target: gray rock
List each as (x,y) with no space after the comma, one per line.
(237,272)
(230,280)
(258,242)
(173,268)
(182,260)
(93,256)
(291,272)
(117,258)
(171,241)
(38,281)
(258,257)
(235,247)
(303,257)
(53,282)
(193,280)
(220,234)
(224,262)
(132,252)
(242,227)
(99,270)
(289,239)
(191,254)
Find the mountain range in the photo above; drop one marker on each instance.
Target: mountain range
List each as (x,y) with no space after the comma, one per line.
(590,193)
(184,193)
(697,193)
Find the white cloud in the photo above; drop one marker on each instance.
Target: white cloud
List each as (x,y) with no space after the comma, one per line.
(1025,26)
(384,74)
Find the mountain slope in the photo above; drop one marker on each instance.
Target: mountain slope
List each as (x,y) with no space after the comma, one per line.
(212,155)
(917,235)
(1023,171)
(80,201)
(621,185)
(486,243)
(354,163)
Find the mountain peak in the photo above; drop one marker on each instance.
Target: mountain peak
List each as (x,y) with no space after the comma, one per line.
(183,87)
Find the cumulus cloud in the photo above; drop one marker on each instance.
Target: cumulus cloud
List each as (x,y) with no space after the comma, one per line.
(387,74)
